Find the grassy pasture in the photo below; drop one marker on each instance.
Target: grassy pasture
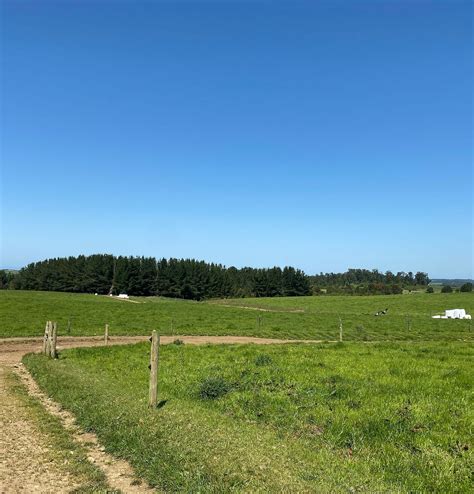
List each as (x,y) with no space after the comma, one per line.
(351,417)
(23,313)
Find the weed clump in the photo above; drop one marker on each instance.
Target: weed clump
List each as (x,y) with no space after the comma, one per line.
(263,360)
(178,342)
(212,388)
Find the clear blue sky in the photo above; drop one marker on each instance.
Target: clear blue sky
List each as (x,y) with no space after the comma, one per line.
(320,135)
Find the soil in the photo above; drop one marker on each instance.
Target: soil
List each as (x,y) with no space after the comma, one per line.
(25,464)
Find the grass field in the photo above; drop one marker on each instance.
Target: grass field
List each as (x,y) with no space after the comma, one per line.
(351,417)
(408,318)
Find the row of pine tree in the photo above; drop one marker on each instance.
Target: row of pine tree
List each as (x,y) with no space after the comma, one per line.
(197,280)
(179,278)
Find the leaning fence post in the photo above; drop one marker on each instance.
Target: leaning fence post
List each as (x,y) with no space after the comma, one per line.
(340,328)
(45,337)
(154,358)
(106,335)
(53,340)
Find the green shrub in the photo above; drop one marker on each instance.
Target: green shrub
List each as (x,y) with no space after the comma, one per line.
(467,287)
(212,388)
(430,289)
(263,359)
(446,289)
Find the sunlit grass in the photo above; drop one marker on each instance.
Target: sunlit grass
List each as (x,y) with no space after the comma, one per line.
(408,317)
(371,417)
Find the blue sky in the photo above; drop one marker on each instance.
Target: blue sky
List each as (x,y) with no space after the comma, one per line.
(321,135)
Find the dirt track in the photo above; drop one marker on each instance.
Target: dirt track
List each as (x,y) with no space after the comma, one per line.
(24,464)
(13,349)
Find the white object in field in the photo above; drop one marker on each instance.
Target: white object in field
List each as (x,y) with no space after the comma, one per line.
(454,314)
(96,294)
(122,295)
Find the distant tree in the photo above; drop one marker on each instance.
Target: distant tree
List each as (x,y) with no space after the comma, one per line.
(389,277)
(386,289)
(430,289)
(446,289)
(421,278)
(197,280)
(466,287)
(7,280)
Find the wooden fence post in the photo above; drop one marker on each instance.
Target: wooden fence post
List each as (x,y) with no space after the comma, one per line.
(340,329)
(50,338)
(54,336)
(154,358)
(106,335)
(45,338)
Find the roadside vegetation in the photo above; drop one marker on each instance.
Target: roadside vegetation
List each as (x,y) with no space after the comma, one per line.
(24,313)
(356,417)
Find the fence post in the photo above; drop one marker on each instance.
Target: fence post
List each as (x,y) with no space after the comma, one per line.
(340,329)
(53,339)
(50,338)
(154,358)
(106,335)
(45,338)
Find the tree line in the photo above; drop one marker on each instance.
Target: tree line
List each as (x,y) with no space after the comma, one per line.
(180,278)
(195,280)
(367,282)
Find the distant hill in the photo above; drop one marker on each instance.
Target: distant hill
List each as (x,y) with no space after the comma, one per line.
(450,282)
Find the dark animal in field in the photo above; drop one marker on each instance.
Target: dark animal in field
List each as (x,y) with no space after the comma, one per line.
(381,312)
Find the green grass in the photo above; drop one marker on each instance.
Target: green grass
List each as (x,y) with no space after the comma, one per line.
(25,314)
(65,452)
(352,417)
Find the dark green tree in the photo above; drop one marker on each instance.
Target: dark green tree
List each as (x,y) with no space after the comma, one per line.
(466,287)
